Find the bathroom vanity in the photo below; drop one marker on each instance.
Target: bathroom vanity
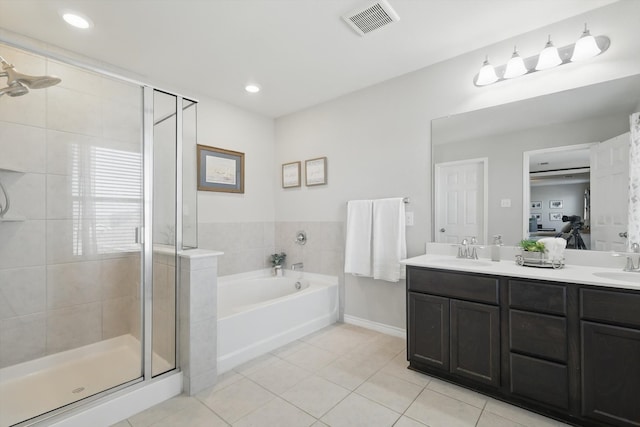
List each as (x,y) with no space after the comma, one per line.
(564,343)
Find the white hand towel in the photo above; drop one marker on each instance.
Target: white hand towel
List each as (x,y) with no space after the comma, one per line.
(358,246)
(389,239)
(554,247)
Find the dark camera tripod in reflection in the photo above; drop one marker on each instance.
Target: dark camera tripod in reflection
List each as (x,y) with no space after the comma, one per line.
(573,229)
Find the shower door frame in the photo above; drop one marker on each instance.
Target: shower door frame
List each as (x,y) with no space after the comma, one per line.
(146,270)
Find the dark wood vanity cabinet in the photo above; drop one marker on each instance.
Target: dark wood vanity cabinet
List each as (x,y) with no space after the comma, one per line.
(610,332)
(455,329)
(538,342)
(568,351)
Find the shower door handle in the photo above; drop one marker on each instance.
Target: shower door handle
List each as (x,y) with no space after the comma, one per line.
(140,235)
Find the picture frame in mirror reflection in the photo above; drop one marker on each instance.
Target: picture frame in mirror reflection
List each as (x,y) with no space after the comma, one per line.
(220,170)
(291,175)
(555,216)
(556,204)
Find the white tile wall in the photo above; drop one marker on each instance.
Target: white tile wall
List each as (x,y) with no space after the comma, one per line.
(51,298)
(22,291)
(73,327)
(22,338)
(16,140)
(22,244)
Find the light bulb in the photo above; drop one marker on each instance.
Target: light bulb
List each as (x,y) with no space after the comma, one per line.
(76,20)
(487,74)
(586,46)
(515,66)
(549,57)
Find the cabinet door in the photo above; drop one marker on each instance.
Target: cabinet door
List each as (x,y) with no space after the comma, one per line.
(429,330)
(475,341)
(611,374)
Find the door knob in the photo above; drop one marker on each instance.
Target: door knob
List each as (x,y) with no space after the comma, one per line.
(442,230)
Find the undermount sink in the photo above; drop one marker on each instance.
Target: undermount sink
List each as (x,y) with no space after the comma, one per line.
(619,275)
(462,262)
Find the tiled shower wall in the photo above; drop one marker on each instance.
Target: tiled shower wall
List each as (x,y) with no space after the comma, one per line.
(247,246)
(53,295)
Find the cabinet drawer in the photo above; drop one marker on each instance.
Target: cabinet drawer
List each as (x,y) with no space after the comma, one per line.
(608,306)
(457,285)
(538,335)
(540,380)
(542,297)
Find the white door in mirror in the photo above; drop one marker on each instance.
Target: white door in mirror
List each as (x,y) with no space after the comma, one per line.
(609,202)
(460,201)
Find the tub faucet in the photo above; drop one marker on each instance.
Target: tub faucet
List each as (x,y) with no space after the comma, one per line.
(297,266)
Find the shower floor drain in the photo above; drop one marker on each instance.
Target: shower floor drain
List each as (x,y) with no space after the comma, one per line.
(77,390)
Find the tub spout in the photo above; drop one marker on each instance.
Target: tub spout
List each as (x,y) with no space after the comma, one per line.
(297,266)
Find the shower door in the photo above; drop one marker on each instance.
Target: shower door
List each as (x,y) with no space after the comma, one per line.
(71,159)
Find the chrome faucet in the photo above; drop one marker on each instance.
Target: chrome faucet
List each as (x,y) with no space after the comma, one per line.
(630,266)
(297,266)
(468,250)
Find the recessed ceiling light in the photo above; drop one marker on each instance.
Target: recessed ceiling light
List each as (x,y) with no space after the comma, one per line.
(251,88)
(76,20)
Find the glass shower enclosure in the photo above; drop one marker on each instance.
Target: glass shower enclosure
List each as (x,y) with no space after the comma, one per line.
(93,169)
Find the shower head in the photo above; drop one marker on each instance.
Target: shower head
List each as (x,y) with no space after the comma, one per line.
(16,89)
(33,82)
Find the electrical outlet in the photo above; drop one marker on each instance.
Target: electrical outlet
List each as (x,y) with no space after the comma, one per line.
(408,219)
(505,203)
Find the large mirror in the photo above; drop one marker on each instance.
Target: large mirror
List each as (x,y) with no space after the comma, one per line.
(524,169)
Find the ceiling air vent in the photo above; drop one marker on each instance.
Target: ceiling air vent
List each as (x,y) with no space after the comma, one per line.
(372,17)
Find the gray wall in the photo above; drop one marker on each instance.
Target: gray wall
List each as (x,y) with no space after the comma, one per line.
(377,140)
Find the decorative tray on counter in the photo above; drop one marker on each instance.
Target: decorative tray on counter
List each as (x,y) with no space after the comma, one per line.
(538,259)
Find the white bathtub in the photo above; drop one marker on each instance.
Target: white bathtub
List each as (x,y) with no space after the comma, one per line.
(258,313)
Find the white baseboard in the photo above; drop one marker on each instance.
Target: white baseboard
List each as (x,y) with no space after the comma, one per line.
(375,326)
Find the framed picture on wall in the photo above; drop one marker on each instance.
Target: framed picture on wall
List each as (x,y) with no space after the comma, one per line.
(220,170)
(315,171)
(536,205)
(556,216)
(291,174)
(537,216)
(555,204)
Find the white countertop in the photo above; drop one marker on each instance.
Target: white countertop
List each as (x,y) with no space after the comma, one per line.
(569,274)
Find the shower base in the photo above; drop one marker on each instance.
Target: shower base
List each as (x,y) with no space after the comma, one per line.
(39,386)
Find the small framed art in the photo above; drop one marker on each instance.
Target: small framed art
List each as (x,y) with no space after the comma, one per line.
(291,174)
(555,204)
(536,205)
(556,216)
(220,170)
(315,171)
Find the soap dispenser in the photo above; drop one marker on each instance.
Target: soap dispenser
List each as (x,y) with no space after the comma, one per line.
(495,248)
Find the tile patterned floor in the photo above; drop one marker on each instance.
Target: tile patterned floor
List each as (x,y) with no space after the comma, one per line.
(340,376)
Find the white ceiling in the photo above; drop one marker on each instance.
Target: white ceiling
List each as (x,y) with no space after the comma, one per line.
(299,51)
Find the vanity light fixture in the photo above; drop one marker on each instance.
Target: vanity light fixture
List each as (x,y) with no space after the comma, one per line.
(549,57)
(487,74)
(76,19)
(587,46)
(515,67)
